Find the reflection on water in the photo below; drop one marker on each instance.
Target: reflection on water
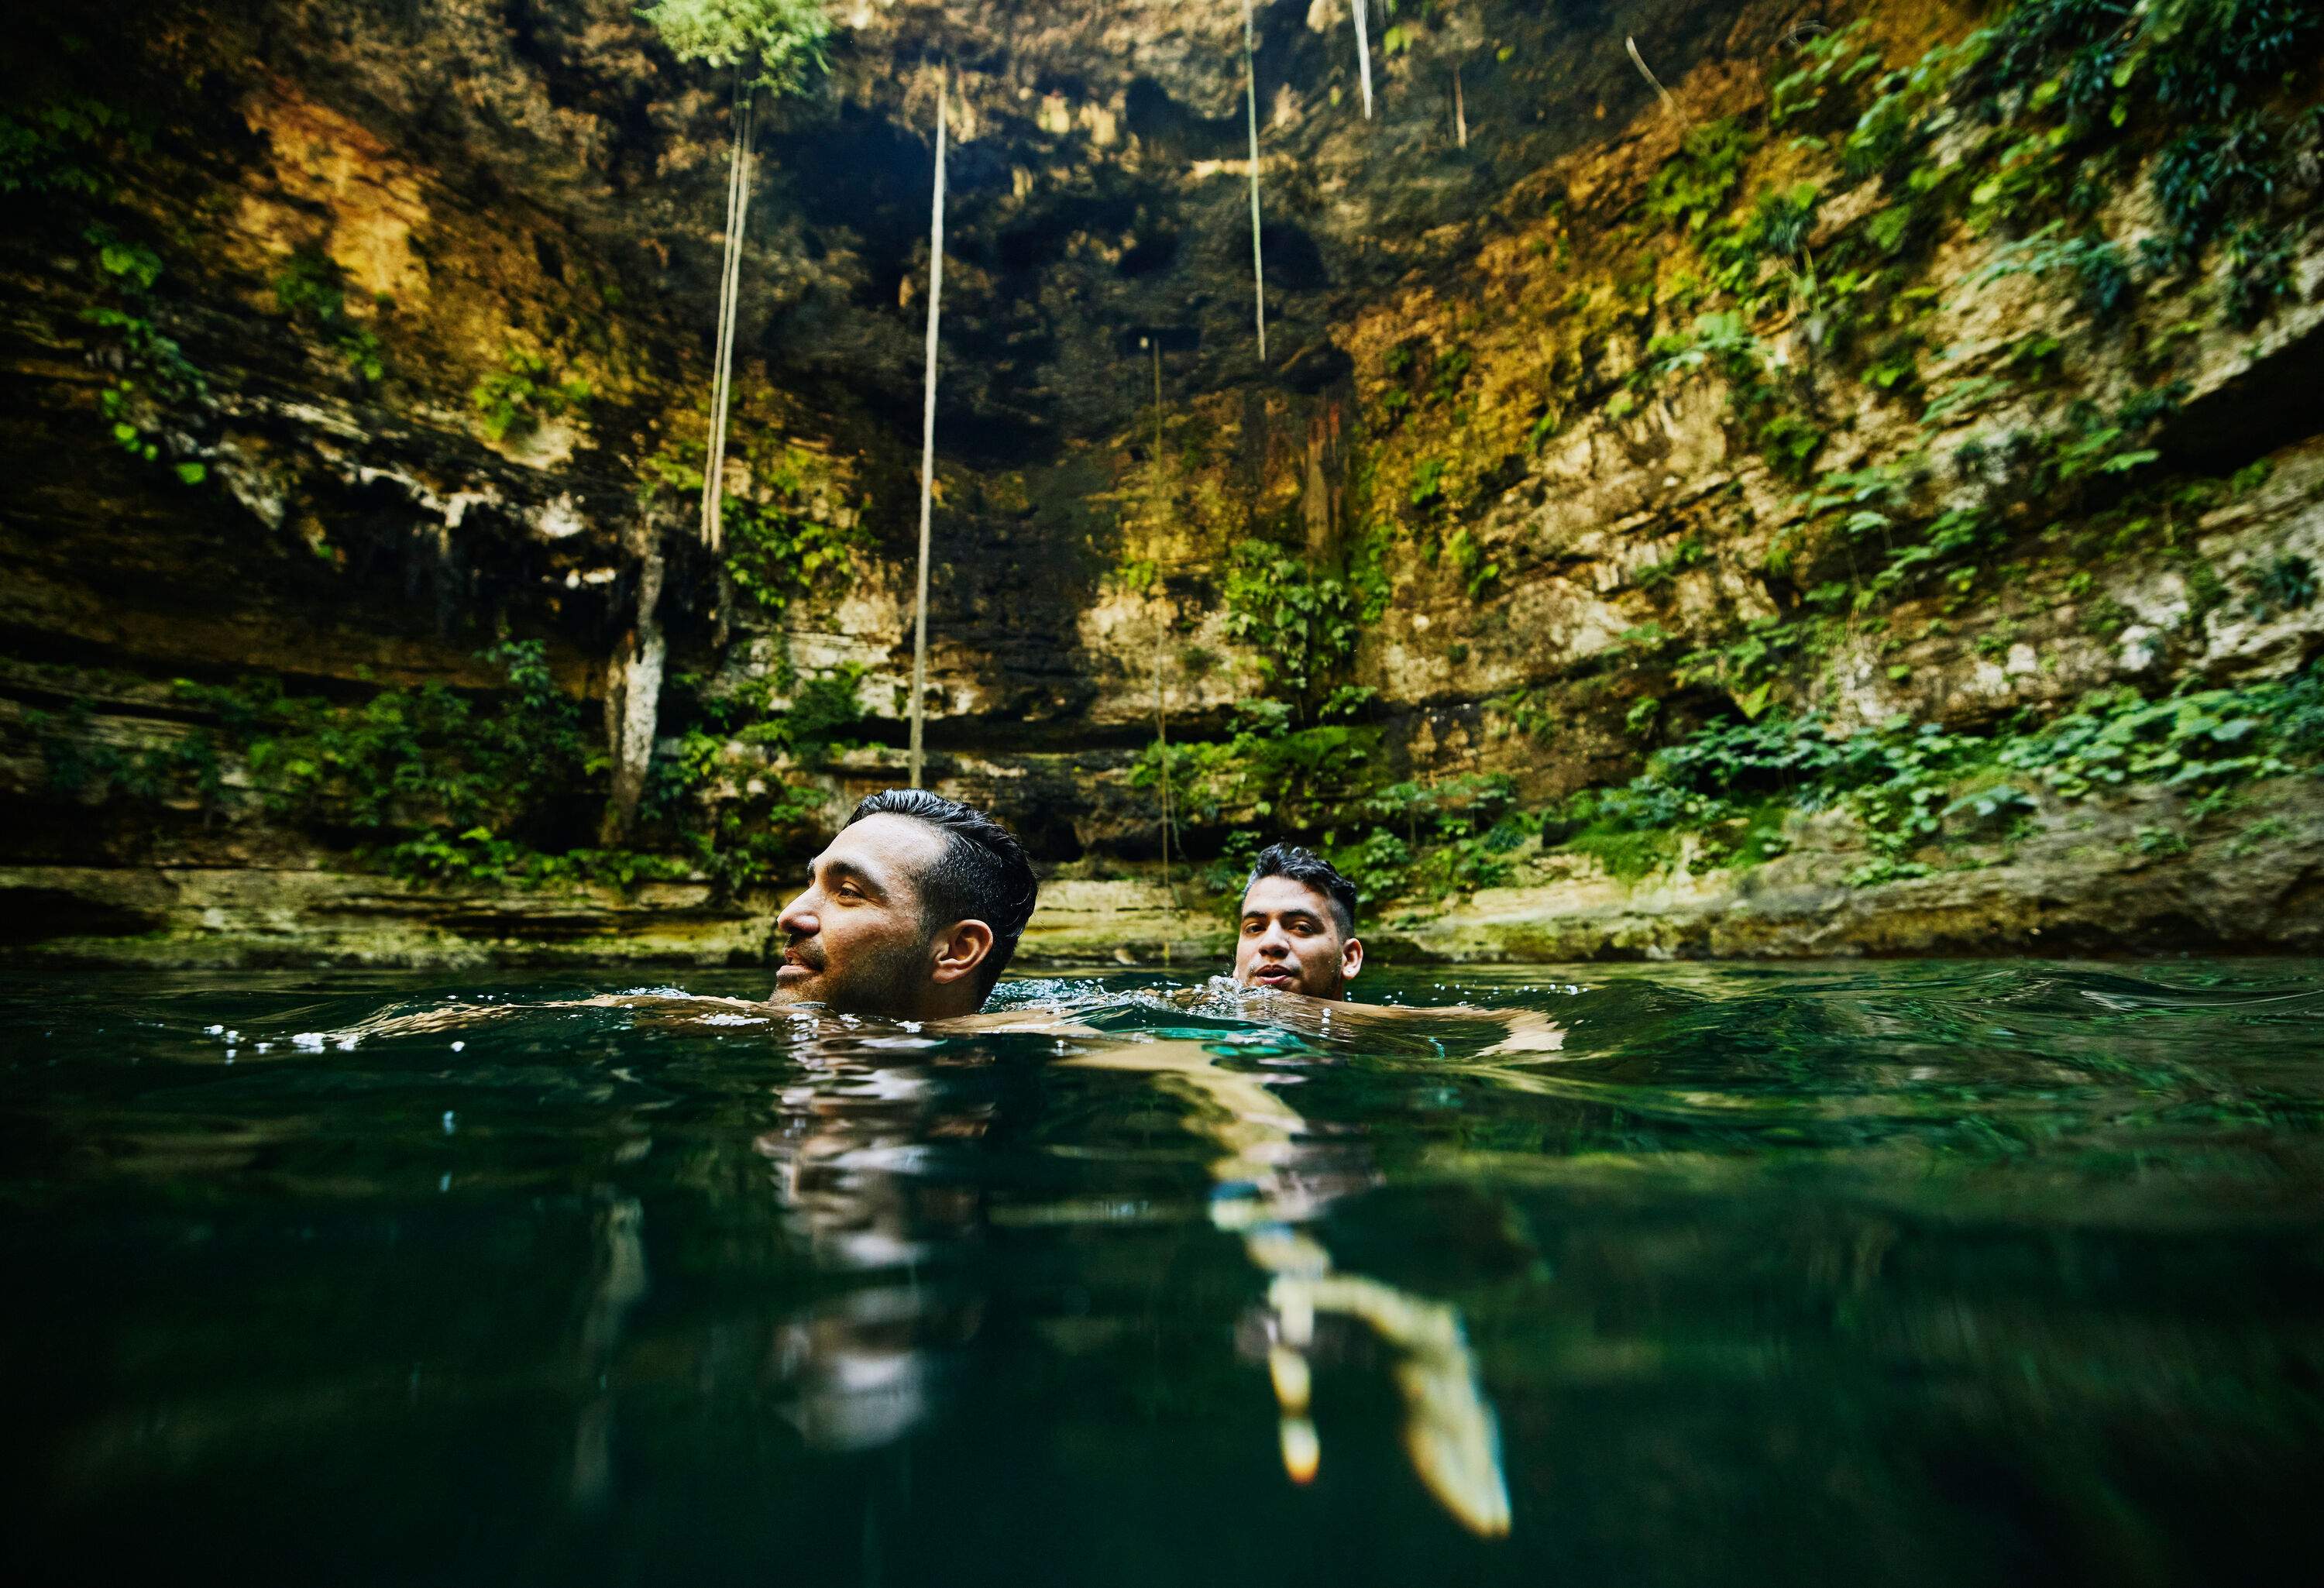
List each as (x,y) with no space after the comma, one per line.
(1918,1271)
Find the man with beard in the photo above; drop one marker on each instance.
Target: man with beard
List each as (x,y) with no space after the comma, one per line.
(912,911)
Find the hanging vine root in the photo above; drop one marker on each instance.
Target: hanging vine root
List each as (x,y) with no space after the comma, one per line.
(730,277)
(1646,72)
(1363,59)
(929,448)
(1250,107)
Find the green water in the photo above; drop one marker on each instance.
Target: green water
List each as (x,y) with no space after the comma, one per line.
(1896,1272)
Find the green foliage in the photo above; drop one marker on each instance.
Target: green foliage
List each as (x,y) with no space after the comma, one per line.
(776,555)
(2102,281)
(740,826)
(1689,552)
(1790,442)
(1903,782)
(1427,483)
(153,378)
(1432,839)
(1452,367)
(2211,175)
(2188,76)
(1268,769)
(1404,840)
(1896,367)
(1465,556)
(1747,666)
(312,289)
(713,792)
(476,857)
(2203,57)
(512,401)
(82,764)
(60,149)
(436,784)
(1695,185)
(1302,622)
(1526,712)
(1721,340)
(1893,778)
(779,546)
(1782,221)
(408,760)
(2161,842)
(780,44)
(825,710)
(1818,91)
(2287,584)
(2203,740)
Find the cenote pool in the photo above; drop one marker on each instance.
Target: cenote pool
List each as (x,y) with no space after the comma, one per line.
(1894,1272)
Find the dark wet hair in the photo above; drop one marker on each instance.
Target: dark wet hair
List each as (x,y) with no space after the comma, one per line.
(1311,870)
(984,873)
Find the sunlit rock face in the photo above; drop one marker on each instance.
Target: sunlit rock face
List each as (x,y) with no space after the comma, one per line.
(1469,395)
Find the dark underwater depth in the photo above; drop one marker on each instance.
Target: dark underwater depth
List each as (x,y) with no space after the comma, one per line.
(1893,1272)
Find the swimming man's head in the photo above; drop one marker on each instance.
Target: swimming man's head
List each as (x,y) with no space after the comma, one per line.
(912,910)
(1297,930)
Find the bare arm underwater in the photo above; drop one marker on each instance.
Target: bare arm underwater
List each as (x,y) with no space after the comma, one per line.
(1450,1432)
(1524,1031)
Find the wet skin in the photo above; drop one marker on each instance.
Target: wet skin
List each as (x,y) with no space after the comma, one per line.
(856,939)
(1289,941)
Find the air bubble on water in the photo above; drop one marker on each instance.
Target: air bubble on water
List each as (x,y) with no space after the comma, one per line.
(448,1126)
(457,1046)
(308,1041)
(212,1030)
(444,1184)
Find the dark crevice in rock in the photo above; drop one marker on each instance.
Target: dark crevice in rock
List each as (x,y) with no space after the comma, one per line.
(1175,132)
(40,915)
(2268,407)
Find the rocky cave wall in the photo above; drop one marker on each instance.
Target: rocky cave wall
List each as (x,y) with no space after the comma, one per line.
(1471,407)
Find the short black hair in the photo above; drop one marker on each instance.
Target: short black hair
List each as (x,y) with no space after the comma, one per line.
(1309,869)
(984,873)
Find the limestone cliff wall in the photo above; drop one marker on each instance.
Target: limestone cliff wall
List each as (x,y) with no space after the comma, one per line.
(1559,454)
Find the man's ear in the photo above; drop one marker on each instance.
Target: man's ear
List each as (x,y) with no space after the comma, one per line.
(961,947)
(1351,958)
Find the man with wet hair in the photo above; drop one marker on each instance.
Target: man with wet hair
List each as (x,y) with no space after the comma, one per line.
(1296,931)
(912,911)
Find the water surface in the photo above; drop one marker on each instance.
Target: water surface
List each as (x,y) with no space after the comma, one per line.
(1901,1272)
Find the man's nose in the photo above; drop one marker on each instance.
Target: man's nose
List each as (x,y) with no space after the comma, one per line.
(799,917)
(1276,942)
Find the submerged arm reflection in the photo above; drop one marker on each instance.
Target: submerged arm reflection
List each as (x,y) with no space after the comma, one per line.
(1449,1430)
(857,1149)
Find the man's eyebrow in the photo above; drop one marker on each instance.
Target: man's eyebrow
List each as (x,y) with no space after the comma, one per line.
(848,871)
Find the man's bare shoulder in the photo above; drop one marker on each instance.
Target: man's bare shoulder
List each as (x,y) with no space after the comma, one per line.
(1031,1020)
